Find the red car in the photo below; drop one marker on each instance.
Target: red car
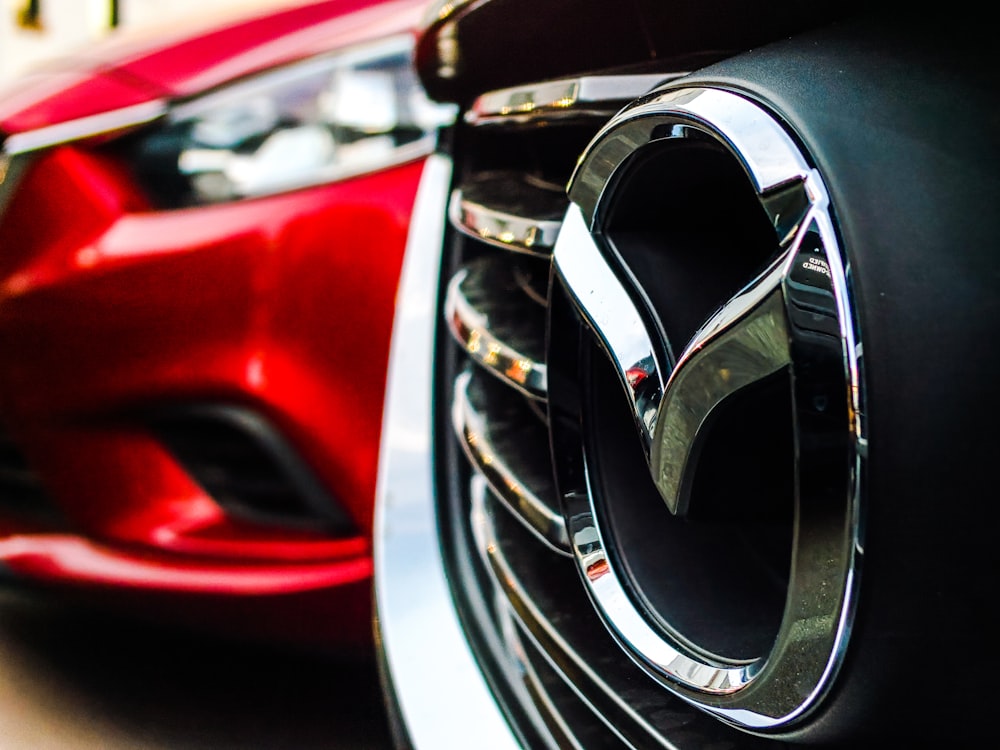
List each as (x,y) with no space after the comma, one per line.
(201,236)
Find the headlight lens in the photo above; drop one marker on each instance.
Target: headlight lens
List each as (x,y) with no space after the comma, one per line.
(317,121)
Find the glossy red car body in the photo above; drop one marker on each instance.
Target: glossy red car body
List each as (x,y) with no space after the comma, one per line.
(265,321)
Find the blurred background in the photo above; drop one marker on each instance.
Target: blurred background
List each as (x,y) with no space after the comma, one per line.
(34,30)
(73,676)
(77,678)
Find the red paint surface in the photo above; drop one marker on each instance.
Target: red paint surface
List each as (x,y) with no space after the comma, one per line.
(189,58)
(109,308)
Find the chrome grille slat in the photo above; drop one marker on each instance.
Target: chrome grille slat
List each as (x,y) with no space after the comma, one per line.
(539,704)
(554,702)
(566,99)
(560,627)
(560,708)
(510,210)
(490,311)
(509,447)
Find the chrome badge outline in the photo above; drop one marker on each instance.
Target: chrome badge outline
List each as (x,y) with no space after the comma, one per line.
(771,693)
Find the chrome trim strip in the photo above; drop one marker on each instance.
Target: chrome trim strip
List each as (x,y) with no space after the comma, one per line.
(494,226)
(471,328)
(440,691)
(771,158)
(542,702)
(493,457)
(86,127)
(588,96)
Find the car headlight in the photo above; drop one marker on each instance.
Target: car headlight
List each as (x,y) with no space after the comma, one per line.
(317,121)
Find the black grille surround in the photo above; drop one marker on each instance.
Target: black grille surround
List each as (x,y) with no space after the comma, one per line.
(865,292)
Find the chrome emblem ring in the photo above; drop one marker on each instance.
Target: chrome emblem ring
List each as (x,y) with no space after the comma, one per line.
(790,323)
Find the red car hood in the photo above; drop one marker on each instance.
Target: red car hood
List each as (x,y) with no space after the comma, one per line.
(184,59)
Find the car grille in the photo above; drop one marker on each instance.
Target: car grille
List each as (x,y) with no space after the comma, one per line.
(549,658)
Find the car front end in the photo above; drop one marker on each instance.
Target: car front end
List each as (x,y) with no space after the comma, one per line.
(679,449)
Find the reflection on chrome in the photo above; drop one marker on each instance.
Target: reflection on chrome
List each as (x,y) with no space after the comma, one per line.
(571,97)
(607,306)
(574,667)
(669,660)
(474,305)
(742,344)
(771,157)
(534,695)
(485,209)
(495,444)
